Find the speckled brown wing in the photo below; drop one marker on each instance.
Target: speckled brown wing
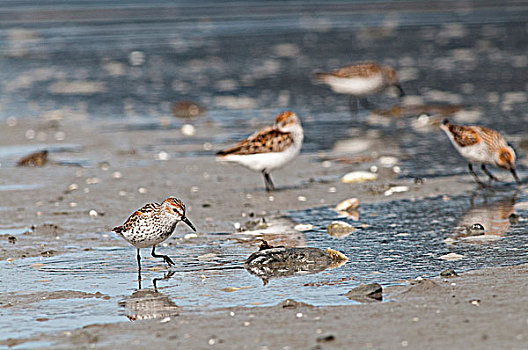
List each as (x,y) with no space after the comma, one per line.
(130,222)
(361,70)
(264,141)
(464,135)
(492,138)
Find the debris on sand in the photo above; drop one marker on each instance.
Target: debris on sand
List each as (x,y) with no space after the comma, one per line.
(366,293)
(187,109)
(281,261)
(36,159)
(293,304)
(449,273)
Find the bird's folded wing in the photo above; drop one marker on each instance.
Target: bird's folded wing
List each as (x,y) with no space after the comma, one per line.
(264,141)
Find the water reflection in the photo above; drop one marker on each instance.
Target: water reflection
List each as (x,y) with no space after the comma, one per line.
(272,262)
(145,304)
(486,221)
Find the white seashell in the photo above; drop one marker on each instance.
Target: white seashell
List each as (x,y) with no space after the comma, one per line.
(359,176)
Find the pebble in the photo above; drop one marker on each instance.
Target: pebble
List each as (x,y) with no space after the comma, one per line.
(359,176)
(387,161)
(449,273)
(188,130)
(325,338)
(366,292)
(162,156)
(339,229)
(93,213)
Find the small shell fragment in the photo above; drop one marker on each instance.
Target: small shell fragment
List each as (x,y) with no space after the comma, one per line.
(452,257)
(359,176)
(304,227)
(347,205)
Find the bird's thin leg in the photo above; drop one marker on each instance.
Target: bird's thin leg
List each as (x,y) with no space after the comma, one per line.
(400,90)
(165,257)
(365,103)
(514,173)
(268,181)
(353,104)
(487,172)
(138,256)
(165,277)
(470,166)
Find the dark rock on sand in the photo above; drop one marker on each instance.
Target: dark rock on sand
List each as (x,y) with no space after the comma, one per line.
(366,293)
(293,304)
(449,273)
(325,338)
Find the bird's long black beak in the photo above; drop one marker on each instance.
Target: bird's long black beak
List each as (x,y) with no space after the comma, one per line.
(400,89)
(514,173)
(189,223)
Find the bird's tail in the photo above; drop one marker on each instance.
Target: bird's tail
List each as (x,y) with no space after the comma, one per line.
(118,229)
(319,77)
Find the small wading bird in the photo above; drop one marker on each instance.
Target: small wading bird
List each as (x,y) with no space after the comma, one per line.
(153,224)
(481,145)
(360,80)
(269,148)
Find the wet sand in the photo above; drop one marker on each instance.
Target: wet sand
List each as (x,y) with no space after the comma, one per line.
(484,309)
(94,86)
(480,309)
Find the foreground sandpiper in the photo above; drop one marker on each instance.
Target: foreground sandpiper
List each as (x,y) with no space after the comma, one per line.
(478,144)
(269,148)
(152,224)
(360,80)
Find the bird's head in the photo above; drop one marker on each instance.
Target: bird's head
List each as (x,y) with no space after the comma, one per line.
(505,158)
(174,206)
(286,121)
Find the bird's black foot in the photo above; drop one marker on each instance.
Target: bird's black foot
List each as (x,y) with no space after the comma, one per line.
(165,257)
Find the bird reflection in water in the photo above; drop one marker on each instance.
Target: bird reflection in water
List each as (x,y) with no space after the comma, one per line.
(486,221)
(145,304)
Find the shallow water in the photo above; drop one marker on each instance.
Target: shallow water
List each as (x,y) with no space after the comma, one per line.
(244,62)
(403,240)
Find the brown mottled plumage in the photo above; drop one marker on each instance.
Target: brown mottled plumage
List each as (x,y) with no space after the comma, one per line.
(152,224)
(263,141)
(269,148)
(481,145)
(361,80)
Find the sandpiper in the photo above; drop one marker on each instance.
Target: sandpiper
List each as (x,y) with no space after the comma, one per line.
(481,145)
(269,148)
(152,224)
(360,80)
